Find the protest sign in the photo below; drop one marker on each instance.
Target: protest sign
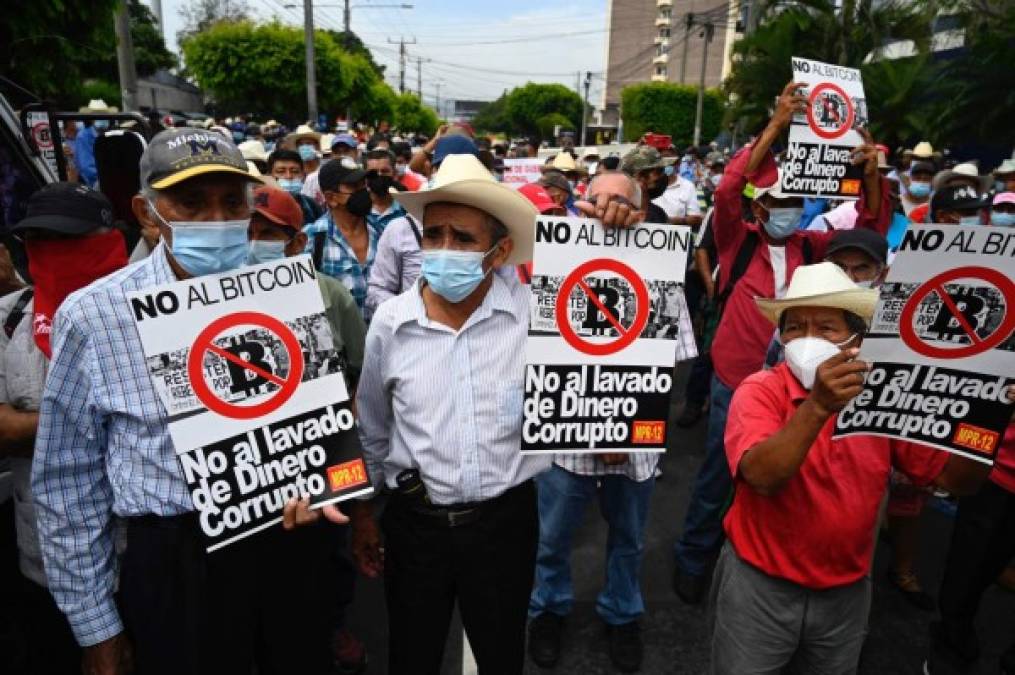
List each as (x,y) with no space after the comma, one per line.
(253,386)
(818,160)
(603,323)
(941,343)
(518,172)
(42,137)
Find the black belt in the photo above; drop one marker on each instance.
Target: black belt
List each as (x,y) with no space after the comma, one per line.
(462,514)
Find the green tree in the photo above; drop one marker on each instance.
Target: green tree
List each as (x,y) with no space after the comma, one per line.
(547,123)
(667,108)
(412,115)
(199,15)
(900,110)
(525,106)
(351,43)
(377,105)
(261,69)
(492,117)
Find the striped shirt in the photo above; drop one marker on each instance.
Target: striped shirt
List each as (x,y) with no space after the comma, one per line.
(639,465)
(396,266)
(339,260)
(447,403)
(103,446)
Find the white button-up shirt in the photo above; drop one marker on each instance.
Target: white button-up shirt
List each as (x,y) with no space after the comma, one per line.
(448,403)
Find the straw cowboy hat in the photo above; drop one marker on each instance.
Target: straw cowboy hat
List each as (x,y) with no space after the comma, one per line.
(564,163)
(462,179)
(97,105)
(302,131)
(925,150)
(253,150)
(821,285)
(1006,167)
(966,170)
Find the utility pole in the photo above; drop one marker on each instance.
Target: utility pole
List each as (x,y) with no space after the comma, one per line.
(401,61)
(439,99)
(709,31)
(125,59)
(688,23)
(585,106)
(347,21)
(157,11)
(308,38)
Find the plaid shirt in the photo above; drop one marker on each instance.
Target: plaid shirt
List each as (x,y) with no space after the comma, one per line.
(639,465)
(339,260)
(102,448)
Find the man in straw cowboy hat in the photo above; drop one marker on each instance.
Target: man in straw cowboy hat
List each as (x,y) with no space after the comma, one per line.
(793,579)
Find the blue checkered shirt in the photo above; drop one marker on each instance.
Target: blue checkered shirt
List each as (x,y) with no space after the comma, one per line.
(339,260)
(103,446)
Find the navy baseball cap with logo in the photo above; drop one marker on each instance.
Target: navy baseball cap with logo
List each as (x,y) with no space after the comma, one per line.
(870,242)
(959,198)
(174,155)
(455,144)
(67,208)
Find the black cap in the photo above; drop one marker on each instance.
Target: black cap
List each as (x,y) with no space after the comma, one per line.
(338,172)
(68,208)
(870,242)
(958,197)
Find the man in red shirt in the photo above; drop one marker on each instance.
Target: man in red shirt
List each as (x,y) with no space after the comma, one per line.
(758,259)
(792,582)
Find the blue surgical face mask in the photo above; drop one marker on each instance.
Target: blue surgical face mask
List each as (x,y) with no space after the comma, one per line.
(263,250)
(101,125)
(307,153)
(207,247)
(453,275)
(919,189)
(668,170)
(1002,219)
(970,220)
(782,222)
(293,186)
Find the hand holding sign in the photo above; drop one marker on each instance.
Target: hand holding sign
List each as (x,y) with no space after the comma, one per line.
(837,382)
(866,154)
(297,513)
(791,102)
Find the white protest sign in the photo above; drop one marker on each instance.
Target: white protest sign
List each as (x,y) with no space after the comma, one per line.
(42,137)
(518,172)
(603,325)
(818,160)
(942,343)
(253,386)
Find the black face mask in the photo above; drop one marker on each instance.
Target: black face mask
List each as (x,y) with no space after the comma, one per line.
(359,203)
(379,184)
(658,188)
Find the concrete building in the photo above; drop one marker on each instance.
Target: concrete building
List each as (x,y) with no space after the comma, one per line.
(651,40)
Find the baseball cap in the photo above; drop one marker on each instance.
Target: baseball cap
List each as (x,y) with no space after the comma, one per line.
(642,158)
(455,144)
(1004,198)
(555,179)
(870,242)
(67,208)
(958,197)
(278,206)
(539,197)
(175,155)
(347,140)
(922,167)
(340,172)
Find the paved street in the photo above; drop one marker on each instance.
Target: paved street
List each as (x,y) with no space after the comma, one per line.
(674,634)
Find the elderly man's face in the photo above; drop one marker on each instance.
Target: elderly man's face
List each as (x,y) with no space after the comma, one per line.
(820,322)
(262,229)
(858,265)
(463,228)
(613,184)
(209,198)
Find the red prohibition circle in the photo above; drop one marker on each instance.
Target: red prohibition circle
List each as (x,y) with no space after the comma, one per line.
(577,276)
(936,284)
(828,86)
(41,131)
(203,342)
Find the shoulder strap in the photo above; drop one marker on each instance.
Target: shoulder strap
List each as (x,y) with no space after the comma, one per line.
(415,230)
(17,312)
(808,250)
(319,248)
(744,255)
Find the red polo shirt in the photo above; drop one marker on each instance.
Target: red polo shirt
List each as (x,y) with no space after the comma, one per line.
(1003,474)
(743,335)
(818,532)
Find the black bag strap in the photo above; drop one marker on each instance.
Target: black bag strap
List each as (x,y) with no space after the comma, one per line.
(744,255)
(17,312)
(319,238)
(415,230)
(808,251)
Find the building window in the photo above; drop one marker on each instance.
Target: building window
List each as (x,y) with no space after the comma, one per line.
(664,32)
(661,70)
(664,13)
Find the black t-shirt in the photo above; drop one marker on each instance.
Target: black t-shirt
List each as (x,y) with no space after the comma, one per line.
(655,214)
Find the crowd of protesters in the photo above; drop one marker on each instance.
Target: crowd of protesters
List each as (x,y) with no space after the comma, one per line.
(424,255)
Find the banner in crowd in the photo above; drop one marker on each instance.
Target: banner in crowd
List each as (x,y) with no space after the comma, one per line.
(603,323)
(518,172)
(818,160)
(248,373)
(42,137)
(942,343)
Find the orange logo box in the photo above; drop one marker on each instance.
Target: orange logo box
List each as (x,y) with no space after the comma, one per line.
(851,186)
(648,432)
(975,438)
(347,474)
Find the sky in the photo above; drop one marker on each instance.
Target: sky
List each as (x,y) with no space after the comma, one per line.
(473,50)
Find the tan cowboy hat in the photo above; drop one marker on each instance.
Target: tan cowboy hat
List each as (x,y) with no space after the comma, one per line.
(1006,167)
(97,105)
(966,170)
(564,163)
(821,285)
(326,141)
(302,131)
(462,179)
(923,150)
(253,150)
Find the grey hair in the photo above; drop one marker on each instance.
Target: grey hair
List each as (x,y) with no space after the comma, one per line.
(634,189)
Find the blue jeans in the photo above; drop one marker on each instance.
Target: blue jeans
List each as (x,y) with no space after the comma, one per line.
(703,535)
(624,504)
